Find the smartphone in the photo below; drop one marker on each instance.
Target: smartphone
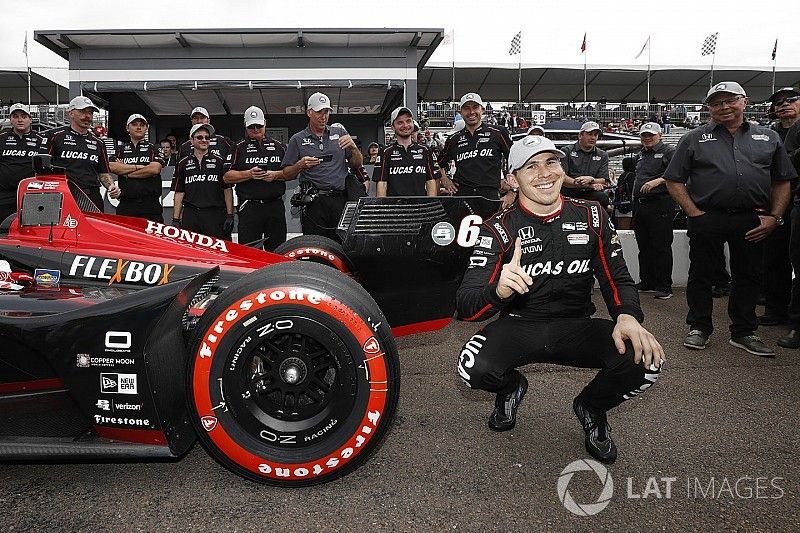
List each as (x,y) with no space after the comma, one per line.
(262,167)
(326,158)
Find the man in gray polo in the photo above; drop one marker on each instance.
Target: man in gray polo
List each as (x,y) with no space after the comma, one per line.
(319,155)
(586,166)
(732,179)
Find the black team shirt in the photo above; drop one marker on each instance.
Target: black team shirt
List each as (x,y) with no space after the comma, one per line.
(405,170)
(82,155)
(266,154)
(142,154)
(201,181)
(16,153)
(478,157)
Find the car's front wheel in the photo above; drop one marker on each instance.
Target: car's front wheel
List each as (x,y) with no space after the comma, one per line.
(294,376)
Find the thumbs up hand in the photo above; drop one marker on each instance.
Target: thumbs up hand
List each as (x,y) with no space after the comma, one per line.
(513,278)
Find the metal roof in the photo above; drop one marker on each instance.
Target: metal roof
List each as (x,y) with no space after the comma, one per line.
(425,40)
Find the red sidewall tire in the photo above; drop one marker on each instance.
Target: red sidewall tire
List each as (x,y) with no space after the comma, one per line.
(317,249)
(238,421)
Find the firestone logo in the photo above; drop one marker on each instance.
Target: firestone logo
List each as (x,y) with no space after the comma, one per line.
(585,509)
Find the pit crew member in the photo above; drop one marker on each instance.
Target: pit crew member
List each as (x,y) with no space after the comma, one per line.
(203,201)
(81,153)
(406,167)
(17,146)
(256,174)
(138,165)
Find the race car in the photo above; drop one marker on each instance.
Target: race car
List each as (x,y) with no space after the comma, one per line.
(130,339)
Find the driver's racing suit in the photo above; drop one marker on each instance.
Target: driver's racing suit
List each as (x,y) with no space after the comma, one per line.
(552,323)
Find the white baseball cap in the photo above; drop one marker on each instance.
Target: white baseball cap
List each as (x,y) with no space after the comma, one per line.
(318,102)
(254,115)
(527,147)
(396,113)
(202,110)
(725,87)
(470,97)
(207,127)
(19,107)
(135,116)
(650,127)
(81,102)
(591,126)
(535,127)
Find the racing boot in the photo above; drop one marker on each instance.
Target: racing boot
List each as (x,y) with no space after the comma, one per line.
(504,415)
(598,433)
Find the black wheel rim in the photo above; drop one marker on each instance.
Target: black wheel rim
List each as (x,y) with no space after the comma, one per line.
(292,385)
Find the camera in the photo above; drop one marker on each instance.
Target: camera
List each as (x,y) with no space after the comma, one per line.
(305,196)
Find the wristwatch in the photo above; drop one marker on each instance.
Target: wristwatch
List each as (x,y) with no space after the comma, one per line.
(778,220)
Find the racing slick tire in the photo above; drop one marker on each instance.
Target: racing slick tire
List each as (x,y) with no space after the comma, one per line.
(317,249)
(293,375)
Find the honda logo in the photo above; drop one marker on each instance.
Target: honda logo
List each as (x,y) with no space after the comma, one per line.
(526,232)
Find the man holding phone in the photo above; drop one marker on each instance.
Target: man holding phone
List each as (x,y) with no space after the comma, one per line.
(256,174)
(319,155)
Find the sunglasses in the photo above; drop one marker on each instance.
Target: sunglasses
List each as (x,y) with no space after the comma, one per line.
(254,127)
(202,138)
(787,100)
(727,101)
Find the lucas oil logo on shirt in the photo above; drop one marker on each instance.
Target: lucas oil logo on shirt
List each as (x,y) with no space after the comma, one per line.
(577,266)
(120,270)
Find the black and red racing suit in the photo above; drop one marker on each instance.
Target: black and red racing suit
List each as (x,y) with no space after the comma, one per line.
(563,253)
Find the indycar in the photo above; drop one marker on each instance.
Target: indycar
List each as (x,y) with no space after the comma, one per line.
(124,338)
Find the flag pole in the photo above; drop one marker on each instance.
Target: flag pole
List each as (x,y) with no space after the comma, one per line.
(519,75)
(28,68)
(649,46)
(713,56)
(774,56)
(585,97)
(453,55)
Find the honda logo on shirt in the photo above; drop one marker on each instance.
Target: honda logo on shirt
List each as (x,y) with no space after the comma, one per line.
(526,232)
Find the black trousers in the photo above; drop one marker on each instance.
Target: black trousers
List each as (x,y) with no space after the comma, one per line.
(489,359)
(652,227)
(707,235)
(262,219)
(484,208)
(794,253)
(149,208)
(322,216)
(778,267)
(206,220)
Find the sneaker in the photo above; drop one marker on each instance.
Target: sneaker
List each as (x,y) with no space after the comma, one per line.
(598,433)
(642,288)
(504,415)
(720,291)
(752,344)
(662,295)
(696,340)
(790,340)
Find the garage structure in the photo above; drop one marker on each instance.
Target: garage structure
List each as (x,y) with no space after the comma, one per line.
(163,74)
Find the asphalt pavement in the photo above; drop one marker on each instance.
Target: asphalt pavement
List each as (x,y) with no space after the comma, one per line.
(710,447)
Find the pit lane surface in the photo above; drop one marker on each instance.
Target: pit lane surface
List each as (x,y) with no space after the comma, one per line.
(716,417)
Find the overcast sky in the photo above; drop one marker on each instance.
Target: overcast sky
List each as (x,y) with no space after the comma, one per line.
(552,31)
